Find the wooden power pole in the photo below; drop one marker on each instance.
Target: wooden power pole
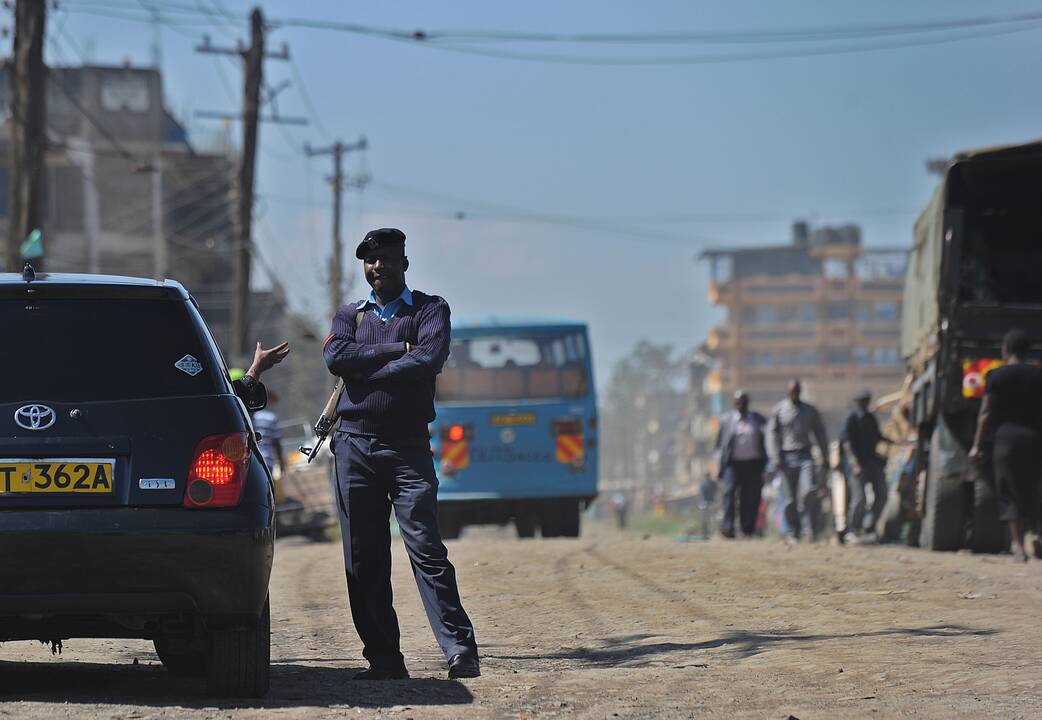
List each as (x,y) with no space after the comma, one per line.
(336,266)
(253,76)
(29,131)
(243,256)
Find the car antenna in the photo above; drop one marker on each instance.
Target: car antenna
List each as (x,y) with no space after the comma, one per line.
(28,273)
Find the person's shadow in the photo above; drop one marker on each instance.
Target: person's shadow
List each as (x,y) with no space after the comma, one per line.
(292,685)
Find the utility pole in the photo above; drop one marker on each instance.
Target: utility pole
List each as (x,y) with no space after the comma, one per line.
(336,267)
(29,132)
(253,58)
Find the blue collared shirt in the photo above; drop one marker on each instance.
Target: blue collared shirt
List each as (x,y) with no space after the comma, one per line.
(388,311)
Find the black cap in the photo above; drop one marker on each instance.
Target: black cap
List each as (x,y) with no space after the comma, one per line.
(375,239)
(863,394)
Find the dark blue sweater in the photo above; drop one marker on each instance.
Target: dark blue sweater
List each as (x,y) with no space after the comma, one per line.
(389,393)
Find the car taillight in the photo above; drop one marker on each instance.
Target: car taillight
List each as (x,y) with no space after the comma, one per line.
(218,471)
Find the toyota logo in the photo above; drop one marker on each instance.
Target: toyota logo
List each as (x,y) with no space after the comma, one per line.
(35,417)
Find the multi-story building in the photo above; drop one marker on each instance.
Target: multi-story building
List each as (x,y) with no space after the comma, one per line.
(823,308)
(126,193)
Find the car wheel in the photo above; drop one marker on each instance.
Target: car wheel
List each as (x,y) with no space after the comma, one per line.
(184,657)
(240,660)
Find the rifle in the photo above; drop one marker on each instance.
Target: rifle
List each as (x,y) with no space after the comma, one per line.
(325,422)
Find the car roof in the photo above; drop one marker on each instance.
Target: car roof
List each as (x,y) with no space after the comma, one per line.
(89,285)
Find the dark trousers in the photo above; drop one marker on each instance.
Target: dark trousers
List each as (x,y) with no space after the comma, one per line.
(870,473)
(743,481)
(370,478)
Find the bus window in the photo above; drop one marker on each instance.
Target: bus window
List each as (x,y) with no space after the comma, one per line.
(507,368)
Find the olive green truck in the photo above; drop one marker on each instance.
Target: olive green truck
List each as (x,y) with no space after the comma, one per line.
(975,272)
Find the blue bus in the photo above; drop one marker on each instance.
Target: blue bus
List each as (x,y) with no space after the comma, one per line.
(516,434)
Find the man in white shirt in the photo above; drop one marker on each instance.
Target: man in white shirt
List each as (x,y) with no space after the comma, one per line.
(741,461)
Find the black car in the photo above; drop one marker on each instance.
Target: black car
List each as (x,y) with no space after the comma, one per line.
(134,502)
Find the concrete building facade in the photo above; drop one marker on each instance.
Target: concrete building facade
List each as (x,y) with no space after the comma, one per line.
(823,308)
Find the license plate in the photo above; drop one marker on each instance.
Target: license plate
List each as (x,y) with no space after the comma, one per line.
(56,475)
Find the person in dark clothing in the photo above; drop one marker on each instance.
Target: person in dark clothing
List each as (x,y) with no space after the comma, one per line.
(1010,419)
(742,459)
(860,437)
(388,350)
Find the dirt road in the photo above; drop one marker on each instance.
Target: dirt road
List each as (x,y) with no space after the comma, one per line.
(616,625)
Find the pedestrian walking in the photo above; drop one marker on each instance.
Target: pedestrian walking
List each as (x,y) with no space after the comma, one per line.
(794,427)
(388,349)
(742,458)
(1010,422)
(266,424)
(860,438)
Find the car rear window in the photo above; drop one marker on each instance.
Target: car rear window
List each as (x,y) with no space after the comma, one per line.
(101,349)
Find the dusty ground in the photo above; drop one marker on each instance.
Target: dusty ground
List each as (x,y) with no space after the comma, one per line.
(617,625)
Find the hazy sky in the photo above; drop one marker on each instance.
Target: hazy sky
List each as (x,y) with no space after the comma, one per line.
(585,188)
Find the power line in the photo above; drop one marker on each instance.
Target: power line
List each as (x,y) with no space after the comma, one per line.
(782,35)
(720,59)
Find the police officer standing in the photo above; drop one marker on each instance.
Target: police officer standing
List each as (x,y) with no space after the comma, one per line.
(388,349)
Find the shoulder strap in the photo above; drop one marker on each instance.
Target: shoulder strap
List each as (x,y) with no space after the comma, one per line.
(360,314)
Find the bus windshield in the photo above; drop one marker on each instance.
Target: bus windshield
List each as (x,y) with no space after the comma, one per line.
(516,367)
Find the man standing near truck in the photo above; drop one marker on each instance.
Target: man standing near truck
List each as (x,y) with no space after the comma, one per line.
(1010,420)
(795,426)
(860,437)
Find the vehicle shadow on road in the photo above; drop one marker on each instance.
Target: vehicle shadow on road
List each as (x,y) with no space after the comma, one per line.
(292,685)
(634,651)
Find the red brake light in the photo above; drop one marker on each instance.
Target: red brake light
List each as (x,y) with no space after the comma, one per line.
(456,433)
(218,471)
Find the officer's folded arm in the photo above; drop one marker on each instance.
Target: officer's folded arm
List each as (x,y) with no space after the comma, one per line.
(424,359)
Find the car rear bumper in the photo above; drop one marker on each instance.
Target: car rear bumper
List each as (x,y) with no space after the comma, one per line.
(134,561)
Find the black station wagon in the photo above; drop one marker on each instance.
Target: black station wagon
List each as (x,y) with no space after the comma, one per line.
(133,500)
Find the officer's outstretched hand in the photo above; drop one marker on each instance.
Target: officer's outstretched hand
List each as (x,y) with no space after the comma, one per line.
(267,359)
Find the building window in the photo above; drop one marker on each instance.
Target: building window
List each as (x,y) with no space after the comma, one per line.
(722,268)
(863,312)
(837,311)
(836,269)
(886,355)
(808,313)
(838,355)
(785,313)
(862,355)
(759,314)
(886,311)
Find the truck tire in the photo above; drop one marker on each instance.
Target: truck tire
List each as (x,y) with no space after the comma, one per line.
(525,523)
(569,518)
(989,533)
(944,517)
(240,660)
(449,524)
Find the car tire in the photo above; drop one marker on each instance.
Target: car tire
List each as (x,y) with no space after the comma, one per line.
(240,660)
(185,657)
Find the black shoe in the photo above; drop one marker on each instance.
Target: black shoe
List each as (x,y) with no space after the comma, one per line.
(463,666)
(399,672)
